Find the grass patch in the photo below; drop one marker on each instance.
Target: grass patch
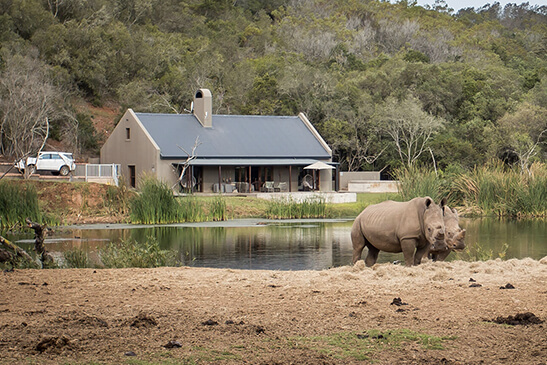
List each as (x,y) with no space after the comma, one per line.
(362,346)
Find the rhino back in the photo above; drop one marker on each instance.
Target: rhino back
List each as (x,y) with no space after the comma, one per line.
(384,224)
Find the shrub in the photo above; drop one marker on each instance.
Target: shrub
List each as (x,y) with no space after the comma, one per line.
(76,259)
(135,254)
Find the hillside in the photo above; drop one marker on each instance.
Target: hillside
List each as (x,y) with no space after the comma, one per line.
(385,84)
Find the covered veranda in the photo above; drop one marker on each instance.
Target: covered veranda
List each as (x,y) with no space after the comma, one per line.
(247,175)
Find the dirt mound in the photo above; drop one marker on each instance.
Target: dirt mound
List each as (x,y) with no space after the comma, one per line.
(519,319)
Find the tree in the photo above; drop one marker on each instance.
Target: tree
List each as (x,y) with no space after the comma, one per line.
(409,126)
(523,132)
(26,104)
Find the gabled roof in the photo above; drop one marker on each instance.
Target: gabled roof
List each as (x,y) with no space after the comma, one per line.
(234,136)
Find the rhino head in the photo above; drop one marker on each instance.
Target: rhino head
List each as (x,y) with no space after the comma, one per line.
(434,225)
(455,236)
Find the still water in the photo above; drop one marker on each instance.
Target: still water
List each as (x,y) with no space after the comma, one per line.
(286,244)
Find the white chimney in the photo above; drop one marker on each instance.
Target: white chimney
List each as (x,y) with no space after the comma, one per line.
(203,107)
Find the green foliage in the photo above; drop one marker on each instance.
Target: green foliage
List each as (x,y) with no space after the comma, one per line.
(17,202)
(134,254)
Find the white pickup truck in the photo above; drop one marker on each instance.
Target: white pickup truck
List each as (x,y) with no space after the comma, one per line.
(57,162)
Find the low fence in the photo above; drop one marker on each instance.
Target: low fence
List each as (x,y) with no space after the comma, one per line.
(99,173)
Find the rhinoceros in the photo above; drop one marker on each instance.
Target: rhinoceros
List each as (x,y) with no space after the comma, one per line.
(454,235)
(414,227)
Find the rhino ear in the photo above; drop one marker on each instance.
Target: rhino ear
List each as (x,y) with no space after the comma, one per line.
(443,202)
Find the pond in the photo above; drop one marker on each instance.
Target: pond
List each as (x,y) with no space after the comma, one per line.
(286,244)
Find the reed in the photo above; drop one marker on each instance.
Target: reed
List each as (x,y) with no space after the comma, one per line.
(154,204)
(190,209)
(218,209)
(419,181)
(129,253)
(288,208)
(498,190)
(17,202)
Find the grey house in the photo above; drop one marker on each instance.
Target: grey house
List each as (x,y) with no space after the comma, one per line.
(220,153)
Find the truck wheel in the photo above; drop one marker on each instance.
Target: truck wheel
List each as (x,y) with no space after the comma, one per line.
(64,170)
(31,169)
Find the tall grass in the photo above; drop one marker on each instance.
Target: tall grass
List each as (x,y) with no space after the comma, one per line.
(218,209)
(496,189)
(418,181)
(287,208)
(17,202)
(156,204)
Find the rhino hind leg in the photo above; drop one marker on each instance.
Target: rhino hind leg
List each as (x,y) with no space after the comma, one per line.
(358,242)
(372,255)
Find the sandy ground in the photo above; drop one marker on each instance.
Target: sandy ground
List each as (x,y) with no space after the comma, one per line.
(436,313)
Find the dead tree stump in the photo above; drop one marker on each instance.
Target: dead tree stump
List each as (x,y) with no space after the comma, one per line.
(45,258)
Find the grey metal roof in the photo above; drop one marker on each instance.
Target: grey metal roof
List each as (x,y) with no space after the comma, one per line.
(252,161)
(233,136)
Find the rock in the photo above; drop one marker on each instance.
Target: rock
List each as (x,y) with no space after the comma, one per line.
(172,345)
(209,322)
(398,302)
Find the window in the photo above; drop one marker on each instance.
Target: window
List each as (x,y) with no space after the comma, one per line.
(132,176)
(127,133)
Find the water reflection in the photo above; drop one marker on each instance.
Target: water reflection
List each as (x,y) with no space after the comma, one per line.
(284,245)
(524,238)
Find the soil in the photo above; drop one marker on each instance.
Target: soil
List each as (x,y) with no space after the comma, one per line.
(457,312)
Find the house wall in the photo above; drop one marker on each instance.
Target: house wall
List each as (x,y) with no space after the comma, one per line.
(138,150)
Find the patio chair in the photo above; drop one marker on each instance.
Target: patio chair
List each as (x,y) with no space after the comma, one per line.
(268,187)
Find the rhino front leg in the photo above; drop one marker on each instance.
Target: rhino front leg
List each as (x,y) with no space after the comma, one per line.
(408,246)
(420,252)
